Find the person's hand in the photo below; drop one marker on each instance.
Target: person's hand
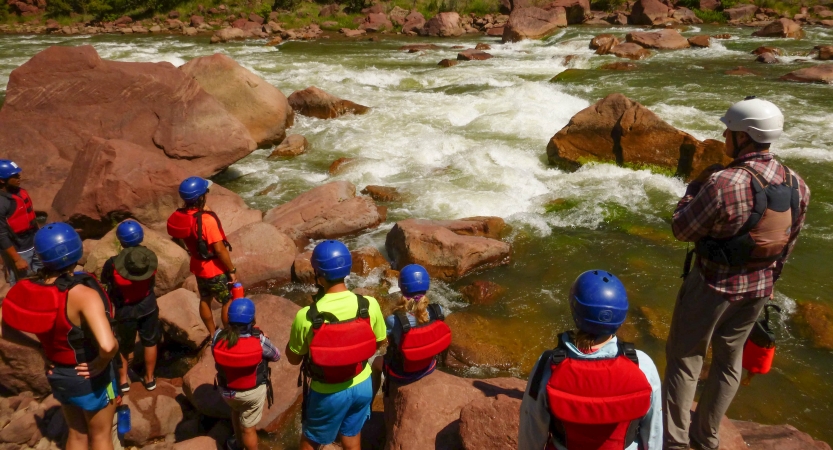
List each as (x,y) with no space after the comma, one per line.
(232,278)
(707,172)
(93,368)
(21,265)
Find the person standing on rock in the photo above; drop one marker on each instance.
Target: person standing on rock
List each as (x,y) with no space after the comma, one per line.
(199,230)
(593,390)
(70,314)
(17,230)
(242,354)
(130,278)
(744,220)
(334,338)
(416,332)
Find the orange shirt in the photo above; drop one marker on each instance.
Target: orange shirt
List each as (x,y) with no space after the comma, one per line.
(212,267)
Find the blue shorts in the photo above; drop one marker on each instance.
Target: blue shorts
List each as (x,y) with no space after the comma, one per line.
(89,395)
(344,413)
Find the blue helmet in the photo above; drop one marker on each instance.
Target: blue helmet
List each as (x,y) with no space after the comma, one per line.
(414,279)
(332,260)
(8,168)
(130,233)
(599,302)
(241,311)
(193,188)
(58,245)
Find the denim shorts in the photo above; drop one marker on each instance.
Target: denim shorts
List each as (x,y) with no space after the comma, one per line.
(343,412)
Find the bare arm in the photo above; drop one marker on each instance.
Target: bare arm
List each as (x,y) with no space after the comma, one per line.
(292,357)
(86,304)
(222,254)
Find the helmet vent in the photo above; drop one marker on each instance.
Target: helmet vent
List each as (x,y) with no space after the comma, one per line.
(605,279)
(595,272)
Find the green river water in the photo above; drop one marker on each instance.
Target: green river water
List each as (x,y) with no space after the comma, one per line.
(470,140)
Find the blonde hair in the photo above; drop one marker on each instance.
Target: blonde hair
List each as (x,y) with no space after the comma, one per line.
(418,309)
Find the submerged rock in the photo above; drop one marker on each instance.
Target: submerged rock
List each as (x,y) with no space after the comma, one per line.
(533,23)
(482,292)
(740,71)
(816,322)
(445,254)
(258,105)
(767,58)
(413,48)
(823,73)
(619,66)
(314,102)
(776,437)
(619,130)
(764,49)
(473,55)
(448,63)
(382,193)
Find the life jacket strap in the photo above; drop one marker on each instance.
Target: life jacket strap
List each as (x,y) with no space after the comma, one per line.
(555,356)
(319,318)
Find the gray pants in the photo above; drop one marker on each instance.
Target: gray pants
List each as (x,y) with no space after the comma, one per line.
(31,258)
(702,316)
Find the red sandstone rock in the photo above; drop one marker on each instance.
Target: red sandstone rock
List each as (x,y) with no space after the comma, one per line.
(366,259)
(823,73)
(382,193)
(22,369)
(577,10)
(413,48)
(767,58)
(258,105)
(180,317)
(784,28)
(414,22)
(741,12)
(293,145)
(230,34)
(663,39)
(631,51)
(702,40)
(154,414)
(638,136)
(473,55)
(64,96)
(482,292)
(445,254)
(492,422)
(685,15)
(261,252)
(739,71)
(825,52)
(533,23)
(776,437)
(446,24)
(302,271)
(314,102)
(619,66)
(325,212)
(376,22)
(648,12)
(448,63)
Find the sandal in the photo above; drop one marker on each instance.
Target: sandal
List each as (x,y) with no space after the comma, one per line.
(124,388)
(150,385)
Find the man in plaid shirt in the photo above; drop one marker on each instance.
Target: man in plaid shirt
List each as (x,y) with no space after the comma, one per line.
(719,302)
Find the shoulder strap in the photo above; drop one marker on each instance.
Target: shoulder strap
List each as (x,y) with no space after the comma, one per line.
(629,350)
(759,183)
(435,312)
(219,226)
(402,319)
(555,356)
(318,318)
(67,281)
(363,310)
(256,332)
(759,201)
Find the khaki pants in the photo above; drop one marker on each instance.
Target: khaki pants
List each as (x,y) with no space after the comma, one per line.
(702,316)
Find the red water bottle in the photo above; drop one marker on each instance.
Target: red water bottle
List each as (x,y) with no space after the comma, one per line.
(237,291)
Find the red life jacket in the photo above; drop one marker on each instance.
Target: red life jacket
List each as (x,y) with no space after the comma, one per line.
(339,349)
(241,367)
(23,219)
(40,309)
(186,224)
(132,291)
(419,345)
(763,238)
(594,403)
(759,349)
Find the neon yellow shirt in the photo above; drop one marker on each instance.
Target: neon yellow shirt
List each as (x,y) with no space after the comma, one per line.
(343,305)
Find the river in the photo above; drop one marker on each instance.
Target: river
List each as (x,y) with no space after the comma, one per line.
(470,140)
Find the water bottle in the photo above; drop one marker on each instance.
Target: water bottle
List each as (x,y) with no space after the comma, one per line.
(237,291)
(123,414)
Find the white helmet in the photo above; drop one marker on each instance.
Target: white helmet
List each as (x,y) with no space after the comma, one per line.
(761,119)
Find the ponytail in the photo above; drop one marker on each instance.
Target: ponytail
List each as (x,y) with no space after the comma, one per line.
(418,309)
(232,333)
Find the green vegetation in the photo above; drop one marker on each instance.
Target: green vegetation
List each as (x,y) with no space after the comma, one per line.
(561,204)
(710,16)
(660,170)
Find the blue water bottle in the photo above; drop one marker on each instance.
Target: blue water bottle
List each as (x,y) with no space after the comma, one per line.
(123,413)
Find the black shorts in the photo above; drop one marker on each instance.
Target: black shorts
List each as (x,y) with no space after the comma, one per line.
(147,327)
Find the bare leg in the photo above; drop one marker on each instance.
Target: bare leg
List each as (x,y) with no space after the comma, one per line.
(376,374)
(224,314)
(123,379)
(249,440)
(306,444)
(206,316)
(352,442)
(100,424)
(77,438)
(150,363)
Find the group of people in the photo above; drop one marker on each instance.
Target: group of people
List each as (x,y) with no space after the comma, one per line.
(591,391)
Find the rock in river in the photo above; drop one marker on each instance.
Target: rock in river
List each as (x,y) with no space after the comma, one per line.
(783,28)
(631,51)
(314,102)
(617,129)
(663,39)
(822,73)
(533,23)
(444,24)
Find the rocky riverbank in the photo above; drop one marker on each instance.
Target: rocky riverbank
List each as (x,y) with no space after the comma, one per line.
(104,126)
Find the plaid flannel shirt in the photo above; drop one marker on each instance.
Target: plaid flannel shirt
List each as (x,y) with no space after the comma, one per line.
(719,208)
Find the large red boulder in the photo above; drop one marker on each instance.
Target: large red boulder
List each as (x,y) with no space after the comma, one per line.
(173,260)
(153,414)
(414,22)
(261,252)
(314,102)
(446,24)
(776,437)
(231,209)
(258,105)
(741,12)
(274,315)
(648,12)
(603,43)
(822,73)
(577,10)
(492,422)
(445,254)
(533,23)
(64,96)
(179,313)
(326,212)
(446,396)
(375,22)
(619,130)
(631,51)
(661,39)
(783,28)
